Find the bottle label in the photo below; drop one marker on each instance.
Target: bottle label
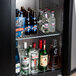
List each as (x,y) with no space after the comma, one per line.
(43,60)
(53,24)
(55,51)
(35,28)
(17,68)
(25,63)
(34,60)
(45,26)
(27,29)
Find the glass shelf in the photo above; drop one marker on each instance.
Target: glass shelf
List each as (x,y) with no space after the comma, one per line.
(39,35)
(50,72)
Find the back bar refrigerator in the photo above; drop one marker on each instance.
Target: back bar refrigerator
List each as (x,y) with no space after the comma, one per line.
(35,37)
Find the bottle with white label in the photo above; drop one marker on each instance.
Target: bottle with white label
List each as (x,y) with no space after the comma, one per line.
(25,61)
(34,55)
(17,61)
(43,58)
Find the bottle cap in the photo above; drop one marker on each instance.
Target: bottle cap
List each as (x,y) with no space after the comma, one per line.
(52,11)
(25,45)
(40,44)
(34,45)
(44,42)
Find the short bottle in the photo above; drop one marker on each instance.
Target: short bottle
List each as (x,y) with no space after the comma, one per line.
(52,22)
(25,61)
(45,23)
(34,55)
(43,58)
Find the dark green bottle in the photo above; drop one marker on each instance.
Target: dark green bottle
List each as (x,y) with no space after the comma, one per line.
(43,58)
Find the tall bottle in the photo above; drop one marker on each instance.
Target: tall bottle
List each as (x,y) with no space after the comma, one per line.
(53,55)
(43,58)
(34,23)
(25,61)
(17,65)
(40,49)
(28,24)
(34,55)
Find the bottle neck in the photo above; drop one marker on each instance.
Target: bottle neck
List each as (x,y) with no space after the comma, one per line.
(52,14)
(46,15)
(44,47)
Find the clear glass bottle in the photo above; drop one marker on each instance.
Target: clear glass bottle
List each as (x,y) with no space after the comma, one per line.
(45,23)
(34,55)
(25,61)
(40,18)
(52,22)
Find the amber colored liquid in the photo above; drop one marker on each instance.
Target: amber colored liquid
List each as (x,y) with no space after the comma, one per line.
(54,59)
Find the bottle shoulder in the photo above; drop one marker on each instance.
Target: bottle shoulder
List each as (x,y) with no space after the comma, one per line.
(43,52)
(33,51)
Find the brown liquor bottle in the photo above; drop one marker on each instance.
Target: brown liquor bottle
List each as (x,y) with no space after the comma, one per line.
(53,55)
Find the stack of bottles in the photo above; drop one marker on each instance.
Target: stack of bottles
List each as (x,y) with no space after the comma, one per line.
(34,60)
(26,22)
(47,21)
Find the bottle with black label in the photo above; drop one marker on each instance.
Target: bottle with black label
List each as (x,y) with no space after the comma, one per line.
(53,55)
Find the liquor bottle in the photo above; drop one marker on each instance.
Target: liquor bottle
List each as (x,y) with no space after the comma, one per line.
(60,53)
(40,49)
(25,61)
(17,61)
(43,58)
(53,55)
(34,55)
(30,47)
(52,22)
(45,23)
(28,24)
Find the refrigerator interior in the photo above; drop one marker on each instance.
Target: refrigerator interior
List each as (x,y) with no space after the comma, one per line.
(58,7)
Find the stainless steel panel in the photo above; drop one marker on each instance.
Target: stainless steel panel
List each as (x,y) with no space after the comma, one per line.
(73,54)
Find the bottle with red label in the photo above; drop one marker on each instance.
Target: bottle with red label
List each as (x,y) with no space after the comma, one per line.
(25,61)
(34,55)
